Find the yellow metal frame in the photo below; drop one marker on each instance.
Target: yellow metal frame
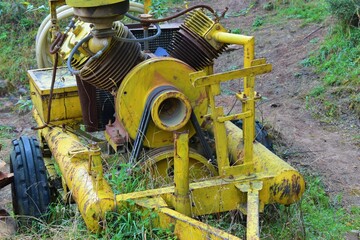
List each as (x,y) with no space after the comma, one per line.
(249,179)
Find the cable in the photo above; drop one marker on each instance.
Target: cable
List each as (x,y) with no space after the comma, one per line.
(158,33)
(178,14)
(68,63)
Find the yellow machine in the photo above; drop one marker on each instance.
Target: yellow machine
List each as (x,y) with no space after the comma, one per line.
(154,108)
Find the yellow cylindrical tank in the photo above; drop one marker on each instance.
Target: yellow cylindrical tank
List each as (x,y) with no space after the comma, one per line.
(283,184)
(90,191)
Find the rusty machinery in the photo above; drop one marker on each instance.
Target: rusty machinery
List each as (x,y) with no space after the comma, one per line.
(153,107)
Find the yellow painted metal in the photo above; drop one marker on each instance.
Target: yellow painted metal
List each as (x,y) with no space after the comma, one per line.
(197,22)
(91,3)
(248,99)
(181,173)
(171,110)
(266,161)
(221,194)
(189,228)
(80,31)
(81,170)
(281,183)
(249,174)
(252,209)
(231,75)
(65,102)
(147,6)
(141,81)
(183,226)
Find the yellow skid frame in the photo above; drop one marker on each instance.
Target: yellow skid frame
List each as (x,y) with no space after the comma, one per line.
(254,178)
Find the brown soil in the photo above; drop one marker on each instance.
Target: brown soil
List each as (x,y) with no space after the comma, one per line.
(326,149)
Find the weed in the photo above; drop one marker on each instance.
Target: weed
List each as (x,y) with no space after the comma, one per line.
(6,132)
(307,11)
(134,225)
(337,62)
(346,11)
(316,216)
(158,8)
(19,22)
(23,105)
(243,11)
(236,31)
(259,21)
(317,91)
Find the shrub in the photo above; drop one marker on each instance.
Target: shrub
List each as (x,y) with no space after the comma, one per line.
(346,11)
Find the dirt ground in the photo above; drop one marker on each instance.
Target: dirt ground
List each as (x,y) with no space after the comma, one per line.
(326,149)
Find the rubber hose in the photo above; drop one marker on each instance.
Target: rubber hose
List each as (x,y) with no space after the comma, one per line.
(68,62)
(65,11)
(42,45)
(142,39)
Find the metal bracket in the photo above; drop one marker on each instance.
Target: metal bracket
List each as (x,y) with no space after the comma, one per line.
(252,211)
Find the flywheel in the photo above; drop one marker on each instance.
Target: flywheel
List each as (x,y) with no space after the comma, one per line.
(159,164)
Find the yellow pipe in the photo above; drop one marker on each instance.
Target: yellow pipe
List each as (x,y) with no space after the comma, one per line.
(232,38)
(80,168)
(266,161)
(147,5)
(171,110)
(181,173)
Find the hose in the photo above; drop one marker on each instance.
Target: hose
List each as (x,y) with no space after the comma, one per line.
(68,62)
(179,14)
(42,45)
(158,32)
(42,41)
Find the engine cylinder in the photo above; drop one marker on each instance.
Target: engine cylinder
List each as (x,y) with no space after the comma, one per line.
(107,71)
(190,45)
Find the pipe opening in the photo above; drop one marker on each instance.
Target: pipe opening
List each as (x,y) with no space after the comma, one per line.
(171,110)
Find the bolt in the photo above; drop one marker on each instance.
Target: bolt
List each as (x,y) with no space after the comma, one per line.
(94,145)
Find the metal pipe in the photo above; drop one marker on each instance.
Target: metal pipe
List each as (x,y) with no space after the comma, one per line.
(286,187)
(181,173)
(82,171)
(171,110)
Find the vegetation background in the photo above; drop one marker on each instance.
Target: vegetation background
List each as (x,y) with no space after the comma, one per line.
(335,98)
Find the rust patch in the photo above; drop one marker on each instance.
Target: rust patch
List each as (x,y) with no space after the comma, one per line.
(284,189)
(295,184)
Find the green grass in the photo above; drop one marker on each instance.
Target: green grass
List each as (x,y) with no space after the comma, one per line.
(6,133)
(316,216)
(19,23)
(338,63)
(307,11)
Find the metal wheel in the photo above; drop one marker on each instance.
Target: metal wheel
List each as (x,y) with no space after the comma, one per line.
(30,189)
(160,165)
